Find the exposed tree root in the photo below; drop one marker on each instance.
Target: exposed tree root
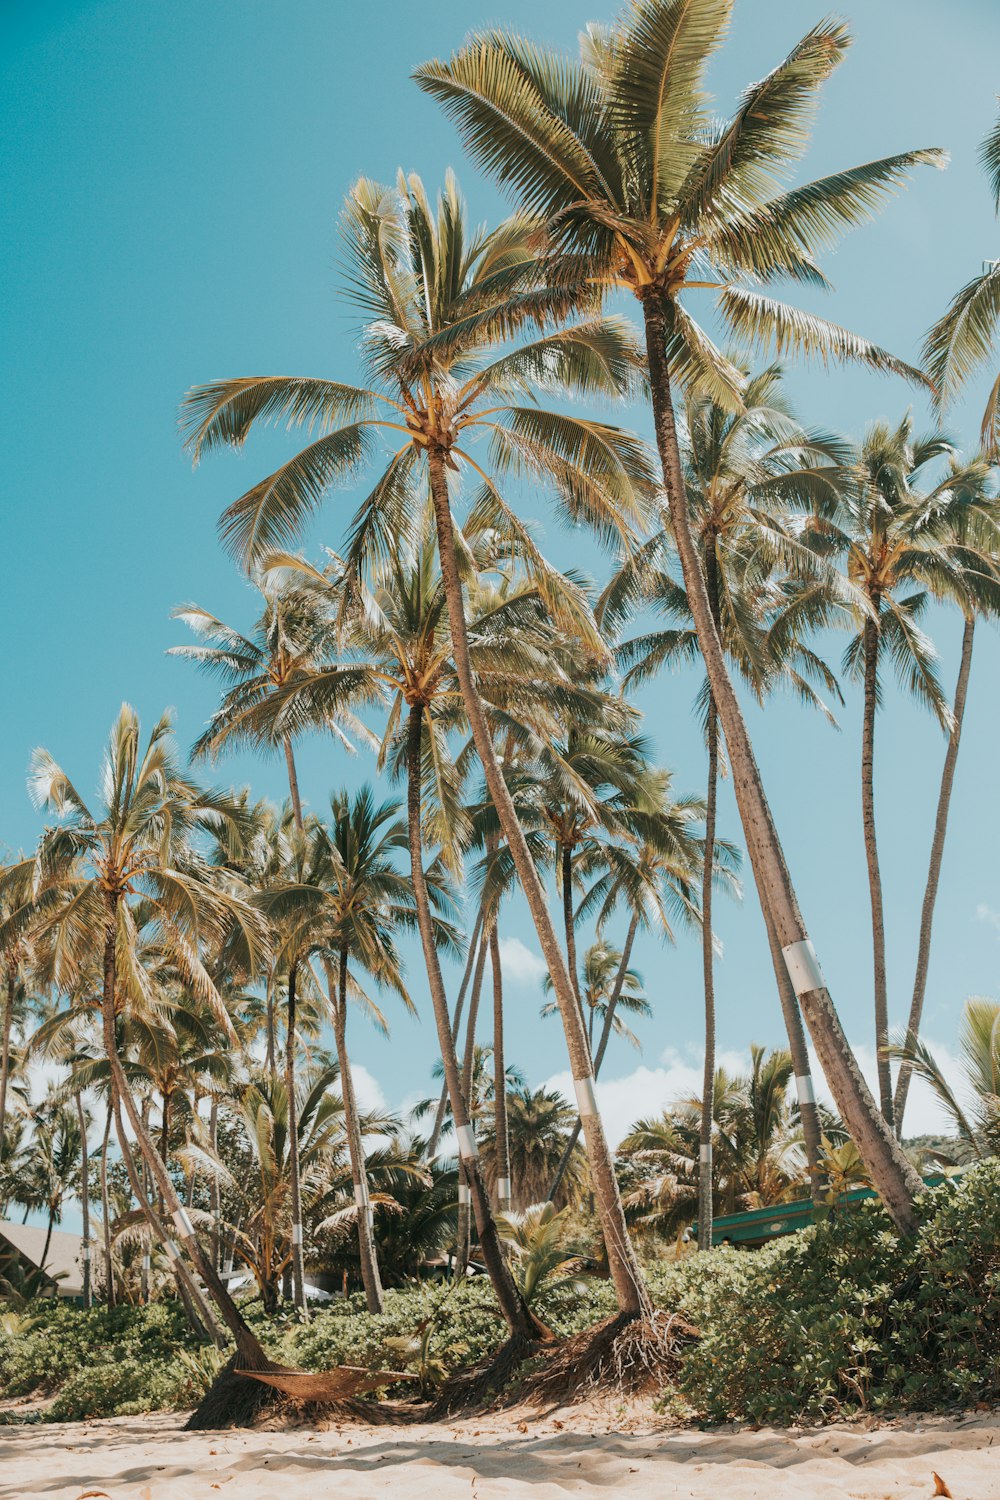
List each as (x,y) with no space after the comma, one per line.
(232,1400)
(626,1354)
(482,1382)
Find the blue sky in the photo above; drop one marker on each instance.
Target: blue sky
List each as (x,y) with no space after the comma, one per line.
(172,178)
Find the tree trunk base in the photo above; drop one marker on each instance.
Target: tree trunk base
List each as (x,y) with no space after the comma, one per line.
(480,1384)
(233,1400)
(629,1354)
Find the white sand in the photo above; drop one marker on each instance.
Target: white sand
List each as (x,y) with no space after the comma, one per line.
(579,1451)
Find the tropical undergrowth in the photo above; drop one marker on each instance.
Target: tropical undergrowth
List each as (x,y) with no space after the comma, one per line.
(840,1319)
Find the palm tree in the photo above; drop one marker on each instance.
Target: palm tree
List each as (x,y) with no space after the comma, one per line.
(289,638)
(962,340)
(535,1239)
(443,313)
(51,1167)
(977,1121)
(539,1127)
(902,545)
(598,975)
(101,877)
(642,191)
(745,473)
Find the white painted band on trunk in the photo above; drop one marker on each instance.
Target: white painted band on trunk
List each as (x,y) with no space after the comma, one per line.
(464,1193)
(467,1143)
(296,1234)
(803,967)
(503,1187)
(180,1218)
(360,1194)
(804,1088)
(586,1099)
(85,1253)
(146,1262)
(705,1153)
(172,1251)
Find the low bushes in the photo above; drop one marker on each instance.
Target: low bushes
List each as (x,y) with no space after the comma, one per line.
(840,1318)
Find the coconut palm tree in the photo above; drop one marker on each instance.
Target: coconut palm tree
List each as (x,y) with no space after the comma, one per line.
(643,191)
(291,636)
(443,317)
(598,975)
(50,1168)
(101,877)
(903,540)
(746,474)
(963,339)
(539,1126)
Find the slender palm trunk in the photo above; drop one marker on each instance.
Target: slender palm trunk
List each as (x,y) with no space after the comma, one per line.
(934,869)
(248,1345)
(109,1264)
(8,1022)
(705,1175)
(470,962)
(874,873)
(514,1309)
(214,1196)
(293,782)
(81,1116)
(569,928)
(623,1264)
(463,1227)
(272,1048)
(894,1178)
(499,1080)
(366,1238)
(295,1186)
(48,1237)
(602,1047)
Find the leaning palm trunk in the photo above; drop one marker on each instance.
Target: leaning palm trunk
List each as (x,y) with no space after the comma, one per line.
(293,783)
(705,1176)
(894,1178)
(569,928)
(499,1080)
(249,1348)
(366,1240)
(874,873)
(463,1229)
(84,1196)
(298,1255)
(109,1264)
(934,872)
(622,1262)
(8,1022)
(470,962)
(514,1309)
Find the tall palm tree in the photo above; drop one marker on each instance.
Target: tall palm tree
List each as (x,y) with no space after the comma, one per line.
(289,638)
(963,338)
(641,190)
(903,541)
(443,312)
(100,878)
(746,474)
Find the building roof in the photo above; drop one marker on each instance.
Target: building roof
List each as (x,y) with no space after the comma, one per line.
(64,1253)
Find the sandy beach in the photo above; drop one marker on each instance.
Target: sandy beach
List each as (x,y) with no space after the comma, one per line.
(580,1451)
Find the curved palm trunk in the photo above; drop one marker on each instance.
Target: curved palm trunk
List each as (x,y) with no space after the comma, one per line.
(470,962)
(934,870)
(48,1237)
(499,1080)
(871,637)
(623,1264)
(708,971)
(109,1264)
(293,782)
(894,1178)
(250,1350)
(516,1313)
(463,1227)
(298,1260)
(569,928)
(8,1022)
(366,1240)
(602,1047)
(81,1116)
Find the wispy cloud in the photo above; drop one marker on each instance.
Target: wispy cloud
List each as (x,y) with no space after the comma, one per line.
(988,915)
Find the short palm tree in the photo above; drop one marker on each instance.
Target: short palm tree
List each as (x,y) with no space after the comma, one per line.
(444,315)
(976,1119)
(598,981)
(101,877)
(643,191)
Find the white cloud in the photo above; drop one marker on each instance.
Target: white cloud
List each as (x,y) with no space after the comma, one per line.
(987,914)
(367,1088)
(521,963)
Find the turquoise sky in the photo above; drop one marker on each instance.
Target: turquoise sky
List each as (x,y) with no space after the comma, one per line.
(172,178)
